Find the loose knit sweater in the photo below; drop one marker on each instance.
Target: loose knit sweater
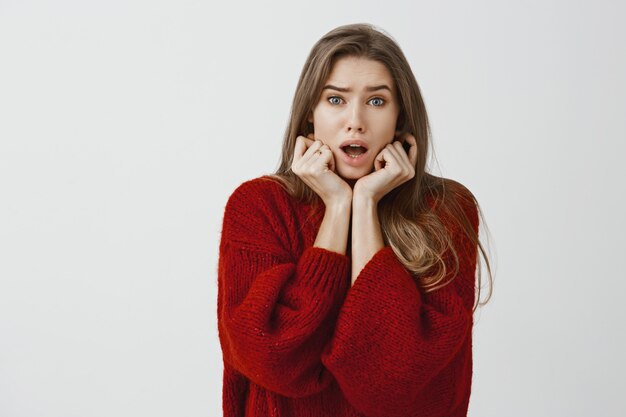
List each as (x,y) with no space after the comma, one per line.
(298,340)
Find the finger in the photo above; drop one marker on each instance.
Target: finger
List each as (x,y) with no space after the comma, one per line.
(396,151)
(381,160)
(400,153)
(318,160)
(408,137)
(300,147)
(308,142)
(406,169)
(326,155)
(397,159)
(309,139)
(313,148)
(331,163)
(322,150)
(311,154)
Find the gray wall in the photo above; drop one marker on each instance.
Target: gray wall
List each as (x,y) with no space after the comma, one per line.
(125,126)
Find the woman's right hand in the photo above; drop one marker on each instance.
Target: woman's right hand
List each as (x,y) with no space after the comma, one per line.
(313,162)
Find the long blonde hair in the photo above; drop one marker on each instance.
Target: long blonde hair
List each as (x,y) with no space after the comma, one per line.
(409,225)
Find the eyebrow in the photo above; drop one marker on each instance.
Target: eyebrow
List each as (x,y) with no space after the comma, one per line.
(347,90)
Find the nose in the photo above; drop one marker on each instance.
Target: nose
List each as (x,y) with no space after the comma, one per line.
(356,121)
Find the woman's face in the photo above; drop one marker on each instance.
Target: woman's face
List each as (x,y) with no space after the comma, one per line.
(358,106)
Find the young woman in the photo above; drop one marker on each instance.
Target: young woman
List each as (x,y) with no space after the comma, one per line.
(346,279)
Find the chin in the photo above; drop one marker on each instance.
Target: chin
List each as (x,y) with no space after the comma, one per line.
(352,173)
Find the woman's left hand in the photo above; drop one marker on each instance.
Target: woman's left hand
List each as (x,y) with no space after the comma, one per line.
(393,166)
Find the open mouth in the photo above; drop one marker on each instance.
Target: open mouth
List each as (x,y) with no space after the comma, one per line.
(353,150)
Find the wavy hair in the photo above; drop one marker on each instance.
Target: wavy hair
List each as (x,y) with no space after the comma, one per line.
(409,224)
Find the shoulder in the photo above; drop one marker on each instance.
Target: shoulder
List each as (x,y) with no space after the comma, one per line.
(462,222)
(257,193)
(453,201)
(466,200)
(457,209)
(255,213)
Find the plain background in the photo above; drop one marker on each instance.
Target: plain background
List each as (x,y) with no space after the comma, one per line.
(125,126)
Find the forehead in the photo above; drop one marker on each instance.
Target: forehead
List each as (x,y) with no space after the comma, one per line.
(353,71)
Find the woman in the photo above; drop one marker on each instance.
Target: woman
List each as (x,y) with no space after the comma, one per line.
(346,278)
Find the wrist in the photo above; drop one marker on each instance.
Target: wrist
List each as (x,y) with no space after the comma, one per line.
(362,199)
(363,193)
(339,204)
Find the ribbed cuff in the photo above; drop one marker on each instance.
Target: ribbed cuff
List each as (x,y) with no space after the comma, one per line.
(327,271)
(380,269)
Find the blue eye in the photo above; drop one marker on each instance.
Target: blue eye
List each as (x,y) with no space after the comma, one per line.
(377,101)
(334,100)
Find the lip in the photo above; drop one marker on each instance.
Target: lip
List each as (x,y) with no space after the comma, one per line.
(354,141)
(359,160)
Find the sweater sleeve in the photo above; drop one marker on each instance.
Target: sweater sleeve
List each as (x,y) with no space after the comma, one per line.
(392,342)
(275,313)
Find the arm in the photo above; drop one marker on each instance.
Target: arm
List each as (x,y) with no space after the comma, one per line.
(393,166)
(367,238)
(275,312)
(333,233)
(397,351)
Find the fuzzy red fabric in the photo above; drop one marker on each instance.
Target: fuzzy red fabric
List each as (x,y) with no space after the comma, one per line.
(298,340)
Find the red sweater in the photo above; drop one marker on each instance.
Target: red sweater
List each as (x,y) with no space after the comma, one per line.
(298,340)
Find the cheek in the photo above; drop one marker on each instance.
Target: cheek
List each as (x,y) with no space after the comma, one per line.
(386,126)
(324,120)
